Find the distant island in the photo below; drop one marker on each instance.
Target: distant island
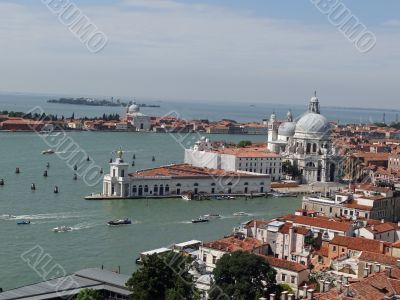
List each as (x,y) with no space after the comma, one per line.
(95,102)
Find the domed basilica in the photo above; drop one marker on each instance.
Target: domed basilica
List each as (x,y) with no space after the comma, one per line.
(306,143)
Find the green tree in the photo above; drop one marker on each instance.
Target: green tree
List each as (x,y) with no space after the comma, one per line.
(244,276)
(89,294)
(163,277)
(243,144)
(289,169)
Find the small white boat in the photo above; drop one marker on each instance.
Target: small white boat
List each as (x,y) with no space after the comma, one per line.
(48,151)
(62,229)
(187,196)
(240,213)
(212,216)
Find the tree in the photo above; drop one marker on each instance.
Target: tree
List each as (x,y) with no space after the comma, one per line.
(89,294)
(289,169)
(243,144)
(163,277)
(244,276)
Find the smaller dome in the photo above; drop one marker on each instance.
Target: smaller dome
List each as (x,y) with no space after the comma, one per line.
(133,108)
(287,129)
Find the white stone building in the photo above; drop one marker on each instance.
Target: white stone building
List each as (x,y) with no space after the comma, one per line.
(173,180)
(137,119)
(249,159)
(307,144)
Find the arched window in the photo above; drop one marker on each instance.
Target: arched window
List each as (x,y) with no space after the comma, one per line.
(146,188)
(166,188)
(308,150)
(314,147)
(246,183)
(213,184)
(178,184)
(134,189)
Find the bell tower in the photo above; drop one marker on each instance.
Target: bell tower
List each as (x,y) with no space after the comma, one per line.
(272,132)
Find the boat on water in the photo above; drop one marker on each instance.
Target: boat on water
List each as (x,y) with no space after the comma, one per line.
(200,220)
(117,222)
(23,222)
(186,197)
(224,197)
(62,229)
(282,194)
(240,214)
(48,151)
(212,216)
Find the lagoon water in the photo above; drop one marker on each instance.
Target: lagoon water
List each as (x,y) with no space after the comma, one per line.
(92,243)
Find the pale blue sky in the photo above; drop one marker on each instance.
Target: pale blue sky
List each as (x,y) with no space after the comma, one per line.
(227,50)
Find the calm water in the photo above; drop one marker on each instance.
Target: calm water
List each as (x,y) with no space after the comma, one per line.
(205,110)
(92,243)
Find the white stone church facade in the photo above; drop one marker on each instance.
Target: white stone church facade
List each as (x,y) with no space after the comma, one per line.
(307,144)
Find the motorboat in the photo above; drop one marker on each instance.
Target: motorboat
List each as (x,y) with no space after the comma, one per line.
(240,214)
(23,222)
(187,196)
(200,220)
(282,194)
(212,216)
(48,151)
(117,222)
(62,229)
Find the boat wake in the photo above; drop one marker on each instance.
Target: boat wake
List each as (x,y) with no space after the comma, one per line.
(50,216)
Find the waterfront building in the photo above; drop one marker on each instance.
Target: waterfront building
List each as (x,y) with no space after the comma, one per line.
(307,144)
(254,159)
(140,121)
(111,286)
(176,179)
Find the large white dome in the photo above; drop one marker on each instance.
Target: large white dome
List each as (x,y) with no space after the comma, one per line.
(133,108)
(312,125)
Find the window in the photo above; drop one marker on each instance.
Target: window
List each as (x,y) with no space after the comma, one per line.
(204,257)
(113,172)
(333,248)
(134,189)
(122,173)
(155,188)
(196,184)
(214,260)
(146,188)
(283,277)
(293,279)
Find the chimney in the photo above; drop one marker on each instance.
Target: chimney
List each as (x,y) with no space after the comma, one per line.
(326,285)
(372,227)
(377,268)
(305,290)
(389,271)
(310,294)
(290,296)
(370,271)
(272,297)
(284,295)
(398,263)
(381,246)
(366,269)
(321,286)
(339,286)
(382,220)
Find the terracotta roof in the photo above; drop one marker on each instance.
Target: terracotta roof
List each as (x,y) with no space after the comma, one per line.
(381,227)
(250,152)
(284,264)
(259,223)
(359,243)
(231,244)
(296,229)
(358,206)
(319,222)
(186,170)
(378,257)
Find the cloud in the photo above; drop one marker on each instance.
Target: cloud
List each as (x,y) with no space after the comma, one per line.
(168,49)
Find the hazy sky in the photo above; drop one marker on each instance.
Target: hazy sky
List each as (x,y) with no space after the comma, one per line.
(227,50)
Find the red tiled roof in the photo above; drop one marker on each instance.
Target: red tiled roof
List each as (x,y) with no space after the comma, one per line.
(186,170)
(319,222)
(378,257)
(359,243)
(284,264)
(231,244)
